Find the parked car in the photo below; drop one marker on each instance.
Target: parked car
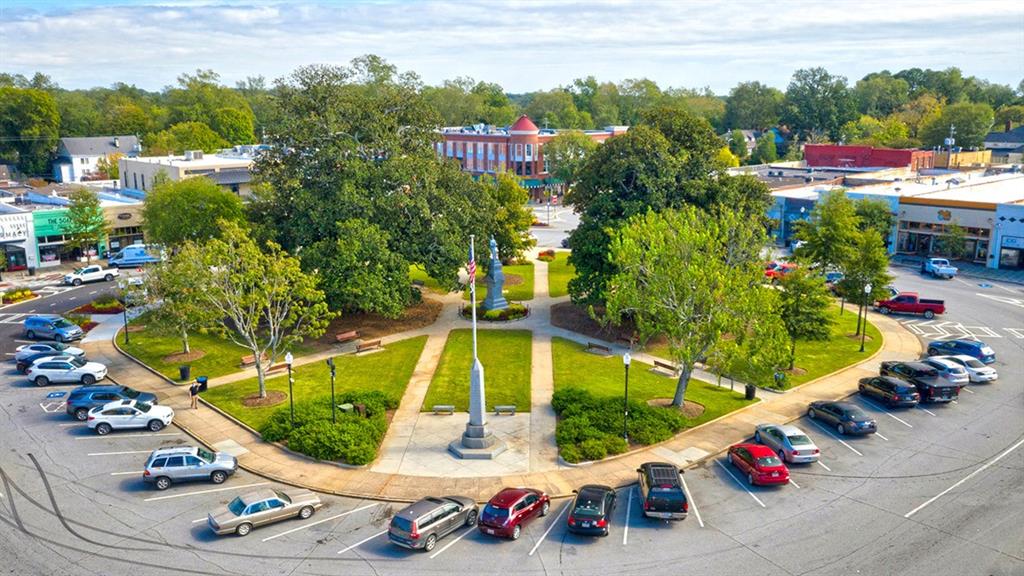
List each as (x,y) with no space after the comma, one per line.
(890,390)
(94,273)
(759,463)
(122,414)
(977,371)
(52,327)
(166,465)
(776,270)
(507,511)
(661,490)
(85,398)
(420,525)
(262,507)
(134,255)
(832,280)
(939,268)
(911,303)
(924,378)
(972,348)
(789,442)
(64,370)
(591,510)
(27,354)
(565,242)
(847,418)
(951,372)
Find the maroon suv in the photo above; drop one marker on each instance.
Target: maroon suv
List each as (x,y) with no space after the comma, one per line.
(509,509)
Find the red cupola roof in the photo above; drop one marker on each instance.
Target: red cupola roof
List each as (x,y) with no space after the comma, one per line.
(524,124)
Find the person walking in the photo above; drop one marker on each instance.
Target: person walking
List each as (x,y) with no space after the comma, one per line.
(193,393)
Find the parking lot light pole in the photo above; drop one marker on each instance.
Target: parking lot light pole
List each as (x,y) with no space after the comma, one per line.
(864,328)
(124,307)
(288,358)
(334,405)
(625,400)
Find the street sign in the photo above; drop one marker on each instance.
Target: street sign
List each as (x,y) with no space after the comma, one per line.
(56,394)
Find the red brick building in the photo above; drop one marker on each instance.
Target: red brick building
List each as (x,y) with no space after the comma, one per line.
(837,156)
(518,149)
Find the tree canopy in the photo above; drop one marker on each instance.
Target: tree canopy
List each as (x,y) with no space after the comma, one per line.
(86,224)
(188,210)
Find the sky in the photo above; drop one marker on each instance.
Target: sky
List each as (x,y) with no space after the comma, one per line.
(523,45)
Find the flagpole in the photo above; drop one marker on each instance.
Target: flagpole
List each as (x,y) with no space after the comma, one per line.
(472,290)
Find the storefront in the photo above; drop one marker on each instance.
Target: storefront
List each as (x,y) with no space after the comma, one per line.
(53,239)
(1010,236)
(15,248)
(921,226)
(124,226)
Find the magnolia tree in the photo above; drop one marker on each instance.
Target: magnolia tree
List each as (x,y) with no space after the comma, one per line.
(176,289)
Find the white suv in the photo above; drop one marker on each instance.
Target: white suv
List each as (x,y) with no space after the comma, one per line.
(977,370)
(129,414)
(948,370)
(65,369)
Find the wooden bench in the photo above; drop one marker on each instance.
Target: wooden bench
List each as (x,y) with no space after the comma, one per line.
(509,409)
(278,366)
(343,337)
(667,366)
(250,360)
(444,409)
(594,346)
(368,345)
(627,341)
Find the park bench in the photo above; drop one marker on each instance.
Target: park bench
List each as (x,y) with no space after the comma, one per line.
(509,409)
(368,345)
(595,347)
(666,365)
(627,341)
(278,366)
(250,360)
(343,337)
(444,409)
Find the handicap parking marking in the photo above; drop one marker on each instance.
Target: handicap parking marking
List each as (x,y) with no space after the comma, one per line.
(554,522)
(56,394)
(837,438)
(361,542)
(198,492)
(743,486)
(1016,332)
(469,530)
(108,436)
(318,522)
(693,503)
(52,407)
(887,413)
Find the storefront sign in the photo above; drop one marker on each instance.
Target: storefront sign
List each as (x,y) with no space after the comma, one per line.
(125,216)
(50,222)
(13,228)
(1013,242)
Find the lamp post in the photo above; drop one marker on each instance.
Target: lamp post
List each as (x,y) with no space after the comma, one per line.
(334,405)
(625,400)
(288,358)
(864,328)
(124,307)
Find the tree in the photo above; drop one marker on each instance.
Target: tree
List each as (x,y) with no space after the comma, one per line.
(201,98)
(972,123)
(830,233)
(566,153)
(635,96)
(818,102)
(512,219)
(234,126)
(110,165)
(875,214)
(175,287)
(29,124)
(953,241)
(263,300)
(868,264)
(188,210)
(690,275)
(691,139)
(918,113)
(185,136)
(86,224)
(738,144)
(1009,115)
(804,308)
(868,130)
(556,109)
(79,114)
(880,94)
(753,106)
(764,149)
(726,158)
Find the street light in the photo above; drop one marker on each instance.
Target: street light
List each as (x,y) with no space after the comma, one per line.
(334,406)
(864,328)
(625,400)
(124,307)
(288,358)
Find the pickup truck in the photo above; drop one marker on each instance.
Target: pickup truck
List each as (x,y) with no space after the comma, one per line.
(93,273)
(925,378)
(910,303)
(938,268)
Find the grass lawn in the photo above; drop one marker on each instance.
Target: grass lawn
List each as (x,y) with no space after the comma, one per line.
(513,292)
(506,356)
(820,358)
(559,274)
(604,376)
(155,350)
(417,273)
(388,371)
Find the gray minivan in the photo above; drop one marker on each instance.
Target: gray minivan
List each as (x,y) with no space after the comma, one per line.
(420,525)
(52,328)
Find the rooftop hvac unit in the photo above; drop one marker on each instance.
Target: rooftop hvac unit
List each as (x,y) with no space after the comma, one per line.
(193,154)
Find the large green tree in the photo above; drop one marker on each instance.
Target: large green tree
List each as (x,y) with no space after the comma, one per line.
(876,214)
(753,106)
(818,103)
(510,222)
(566,153)
(184,136)
(175,289)
(868,266)
(200,97)
(556,109)
(29,124)
(188,210)
(86,223)
(830,233)
(764,149)
(804,307)
(972,123)
(880,93)
(738,144)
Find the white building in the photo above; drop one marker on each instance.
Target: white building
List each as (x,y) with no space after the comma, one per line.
(230,168)
(77,158)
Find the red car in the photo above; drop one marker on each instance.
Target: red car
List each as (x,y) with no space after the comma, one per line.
(776,270)
(509,509)
(760,464)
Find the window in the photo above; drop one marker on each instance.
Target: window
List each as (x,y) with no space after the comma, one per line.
(529,151)
(519,152)
(449,146)
(159,463)
(83,161)
(192,461)
(175,461)
(135,179)
(480,149)
(143,181)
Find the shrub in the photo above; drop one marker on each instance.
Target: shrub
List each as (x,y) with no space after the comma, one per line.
(593,449)
(107,300)
(615,445)
(492,315)
(353,439)
(79,319)
(570,453)
(547,256)
(514,311)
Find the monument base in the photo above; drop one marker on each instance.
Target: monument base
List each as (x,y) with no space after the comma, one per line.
(487,453)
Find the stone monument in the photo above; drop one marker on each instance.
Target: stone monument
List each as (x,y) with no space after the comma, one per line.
(495,299)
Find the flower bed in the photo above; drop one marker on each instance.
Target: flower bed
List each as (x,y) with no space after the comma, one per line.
(515,311)
(103,305)
(17,295)
(547,256)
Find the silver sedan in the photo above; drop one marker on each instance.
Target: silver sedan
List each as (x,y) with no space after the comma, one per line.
(789,442)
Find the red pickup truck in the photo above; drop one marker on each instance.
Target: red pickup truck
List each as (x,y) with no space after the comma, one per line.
(910,303)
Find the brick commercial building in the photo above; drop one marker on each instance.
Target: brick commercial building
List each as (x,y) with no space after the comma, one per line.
(839,156)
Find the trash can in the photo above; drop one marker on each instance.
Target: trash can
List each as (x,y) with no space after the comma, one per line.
(184,372)
(751,391)
(202,380)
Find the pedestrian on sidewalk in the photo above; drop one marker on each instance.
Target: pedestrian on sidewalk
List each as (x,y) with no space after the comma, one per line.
(193,393)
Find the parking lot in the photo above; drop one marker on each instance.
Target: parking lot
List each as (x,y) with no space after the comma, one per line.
(937,491)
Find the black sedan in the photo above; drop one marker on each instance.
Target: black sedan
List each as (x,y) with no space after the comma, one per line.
(847,418)
(890,390)
(592,510)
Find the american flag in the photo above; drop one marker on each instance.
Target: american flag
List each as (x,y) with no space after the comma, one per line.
(471,268)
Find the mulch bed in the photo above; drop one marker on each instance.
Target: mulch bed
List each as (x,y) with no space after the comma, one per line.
(857,337)
(89,325)
(510,280)
(571,317)
(690,409)
(136,328)
(272,398)
(798,371)
(372,325)
(183,357)
(89,309)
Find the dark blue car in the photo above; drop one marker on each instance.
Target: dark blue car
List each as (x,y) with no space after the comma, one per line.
(83,398)
(972,348)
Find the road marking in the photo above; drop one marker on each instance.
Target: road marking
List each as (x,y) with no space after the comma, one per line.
(52,305)
(91,293)
(793,483)
(883,437)
(625,527)
(965,479)
(954,401)
(840,440)
(887,413)
(336,516)
(693,504)
(73,298)
(985,331)
(70,424)
(1017,332)
(966,389)
(211,490)
(452,543)
(129,435)
(823,465)
(742,485)
(361,542)
(49,408)
(126,473)
(119,453)
(550,526)
(1011,301)
(25,341)
(199,520)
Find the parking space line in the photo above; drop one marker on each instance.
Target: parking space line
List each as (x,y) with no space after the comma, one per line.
(73,298)
(119,453)
(965,479)
(968,390)
(336,516)
(625,525)
(129,435)
(822,464)
(126,473)
(793,483)
(361,542)
(954,401)
(91,293)
(689,498)
(887,413)
(837,438)
(550,526)
(745,489)
(880,436)
(926,410)
(199,520)
(452,543)
(197,492)
(69,424)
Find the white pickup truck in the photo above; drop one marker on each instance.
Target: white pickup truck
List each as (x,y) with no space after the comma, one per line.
(93,273)
(938,267)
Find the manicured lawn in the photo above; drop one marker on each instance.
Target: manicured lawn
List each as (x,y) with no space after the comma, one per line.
(605,376)
(506,357)
(388,371)
(559,274)
(419,274)
(221,355)
(513,292)
(820,358)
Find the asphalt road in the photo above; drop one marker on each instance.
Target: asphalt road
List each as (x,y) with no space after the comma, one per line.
(54,299)
(936,492)
(562,221)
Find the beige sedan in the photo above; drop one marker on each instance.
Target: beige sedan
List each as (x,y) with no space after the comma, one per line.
(262,507)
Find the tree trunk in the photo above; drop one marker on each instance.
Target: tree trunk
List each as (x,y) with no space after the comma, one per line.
(842,305)
(184,341)
(859,308)
(792,352)
(684,380)
(260,377)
